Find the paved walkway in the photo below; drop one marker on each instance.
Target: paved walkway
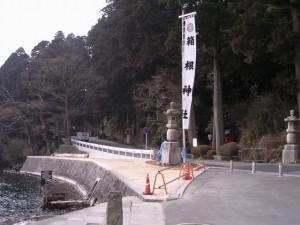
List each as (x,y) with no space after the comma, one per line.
(134,171)
(135,212)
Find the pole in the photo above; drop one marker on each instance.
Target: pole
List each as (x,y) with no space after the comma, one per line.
(253,167)
(183,138)
(146,142)
(183,130)
(193,13)
(280,170)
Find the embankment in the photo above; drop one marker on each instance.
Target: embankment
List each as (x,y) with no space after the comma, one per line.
(82,172)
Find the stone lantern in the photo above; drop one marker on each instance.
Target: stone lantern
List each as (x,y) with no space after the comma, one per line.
(291,150)
(171,151)
(172,115)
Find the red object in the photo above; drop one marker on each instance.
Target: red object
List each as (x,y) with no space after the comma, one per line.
(147,187)
(186,171)
(229,138)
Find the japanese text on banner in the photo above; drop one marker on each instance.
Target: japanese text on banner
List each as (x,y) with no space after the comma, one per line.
(188,65)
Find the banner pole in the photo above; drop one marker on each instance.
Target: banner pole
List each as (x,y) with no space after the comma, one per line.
(183,130)
(189,14)
(183,137)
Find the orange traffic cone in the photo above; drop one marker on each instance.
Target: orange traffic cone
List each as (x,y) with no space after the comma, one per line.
(147,187)
(187,171)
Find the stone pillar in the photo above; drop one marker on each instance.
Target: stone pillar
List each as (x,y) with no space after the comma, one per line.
(291,150)
(171,151)
(114,211)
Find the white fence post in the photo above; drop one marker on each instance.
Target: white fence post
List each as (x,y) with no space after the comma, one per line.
(231,165)
(280,170)
(253,166)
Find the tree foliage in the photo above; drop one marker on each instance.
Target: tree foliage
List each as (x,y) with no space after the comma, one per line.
(125,73)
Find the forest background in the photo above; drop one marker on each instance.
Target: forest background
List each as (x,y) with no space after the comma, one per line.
(123,75)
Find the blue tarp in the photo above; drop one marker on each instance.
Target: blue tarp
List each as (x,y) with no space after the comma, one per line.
(159,153)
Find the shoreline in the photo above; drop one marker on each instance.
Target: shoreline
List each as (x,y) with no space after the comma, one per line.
(77,192)
(33,212)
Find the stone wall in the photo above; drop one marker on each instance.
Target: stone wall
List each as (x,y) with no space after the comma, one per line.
(83,172)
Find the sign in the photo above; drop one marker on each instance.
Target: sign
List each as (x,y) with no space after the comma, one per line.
(146,130)
(46,174)
(195,144)
(188,65)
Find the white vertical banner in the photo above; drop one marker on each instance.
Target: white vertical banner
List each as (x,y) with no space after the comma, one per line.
(188,65)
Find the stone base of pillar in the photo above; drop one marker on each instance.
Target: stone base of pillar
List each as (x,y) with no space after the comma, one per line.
(171,154)
(290,154)
(218,157)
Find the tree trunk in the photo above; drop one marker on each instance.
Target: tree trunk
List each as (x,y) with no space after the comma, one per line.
(217,103)
(45,131)
(44,126)
(296,29)
(68,124)
(192,126)
(29,139)
(213,141)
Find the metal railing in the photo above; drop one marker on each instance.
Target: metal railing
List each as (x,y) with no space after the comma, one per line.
(128,152)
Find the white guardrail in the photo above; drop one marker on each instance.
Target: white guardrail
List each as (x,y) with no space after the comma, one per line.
(129,152)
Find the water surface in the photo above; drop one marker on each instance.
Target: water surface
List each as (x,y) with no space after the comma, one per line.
(21,200)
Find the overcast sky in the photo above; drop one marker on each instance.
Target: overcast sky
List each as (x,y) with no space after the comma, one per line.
(25,23)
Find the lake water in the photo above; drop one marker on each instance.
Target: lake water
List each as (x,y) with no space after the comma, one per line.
(21,200)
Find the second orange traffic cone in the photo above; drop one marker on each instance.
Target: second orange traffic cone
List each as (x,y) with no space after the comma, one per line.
(186,171)
(147,187)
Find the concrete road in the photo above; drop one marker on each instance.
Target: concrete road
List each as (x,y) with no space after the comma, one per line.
(221,197)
